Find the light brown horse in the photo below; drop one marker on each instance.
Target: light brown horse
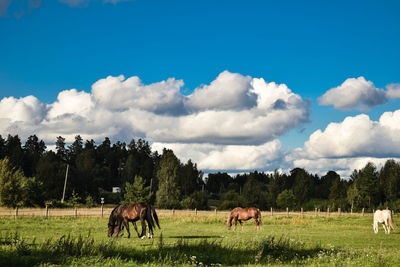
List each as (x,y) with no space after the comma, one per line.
(239,214)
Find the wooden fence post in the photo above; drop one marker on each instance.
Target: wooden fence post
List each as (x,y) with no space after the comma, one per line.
(362,212)
(195,210)
(47,211)
(76,212)
(102,210)
(301,212)
(319,212)
(215,211)
(339,211)
(315,212)
(351,211)
(16,212)
(173,211)
(328,212)
(287,211)
(272,212)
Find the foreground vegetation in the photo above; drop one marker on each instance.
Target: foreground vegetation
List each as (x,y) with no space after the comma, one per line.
(199,240)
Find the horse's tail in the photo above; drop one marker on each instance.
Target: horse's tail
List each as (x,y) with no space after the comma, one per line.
(154,215)
(390,221)
(149,218)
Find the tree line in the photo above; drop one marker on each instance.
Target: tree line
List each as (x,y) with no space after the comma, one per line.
(30,175)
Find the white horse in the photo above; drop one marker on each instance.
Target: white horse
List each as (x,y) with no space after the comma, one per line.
(385,218)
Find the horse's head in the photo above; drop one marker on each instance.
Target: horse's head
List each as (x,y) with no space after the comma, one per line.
(229,223)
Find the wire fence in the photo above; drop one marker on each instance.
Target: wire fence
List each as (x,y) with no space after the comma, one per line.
(105,212)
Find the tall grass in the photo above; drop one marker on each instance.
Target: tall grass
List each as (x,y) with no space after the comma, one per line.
(198,241)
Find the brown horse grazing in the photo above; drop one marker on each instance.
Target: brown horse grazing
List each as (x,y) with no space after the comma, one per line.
(115,222)
(239,214)
(123,214)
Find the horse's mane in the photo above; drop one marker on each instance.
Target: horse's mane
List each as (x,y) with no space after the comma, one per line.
(113,216)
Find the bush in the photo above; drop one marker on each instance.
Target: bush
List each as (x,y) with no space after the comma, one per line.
(90,203)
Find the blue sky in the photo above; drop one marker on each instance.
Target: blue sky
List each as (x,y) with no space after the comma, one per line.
(48,47)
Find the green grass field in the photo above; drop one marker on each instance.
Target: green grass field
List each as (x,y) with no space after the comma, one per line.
(191,240)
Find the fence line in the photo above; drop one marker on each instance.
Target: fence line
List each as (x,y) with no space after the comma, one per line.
(105,212)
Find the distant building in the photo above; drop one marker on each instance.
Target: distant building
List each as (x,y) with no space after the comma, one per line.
(116,189)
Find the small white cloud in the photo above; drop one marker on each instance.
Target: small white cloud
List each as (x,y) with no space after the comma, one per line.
(71,102)
(354,93)
(120,94)
(229,91)
(393,90)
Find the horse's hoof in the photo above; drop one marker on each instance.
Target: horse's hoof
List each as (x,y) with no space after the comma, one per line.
(143,237)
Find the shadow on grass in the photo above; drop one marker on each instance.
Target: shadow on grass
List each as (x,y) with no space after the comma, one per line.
(195,236)
(14,251)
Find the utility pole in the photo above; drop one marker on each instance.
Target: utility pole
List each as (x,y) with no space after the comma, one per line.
(65,184)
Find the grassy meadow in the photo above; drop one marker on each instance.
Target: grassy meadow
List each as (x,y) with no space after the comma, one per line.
(199,240)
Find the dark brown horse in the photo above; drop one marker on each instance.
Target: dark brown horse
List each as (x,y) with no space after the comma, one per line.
(239,214)
(123,214)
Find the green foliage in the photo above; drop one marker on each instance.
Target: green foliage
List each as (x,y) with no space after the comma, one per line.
(302,187)
(286,199)
(11,185)
(168,194)
(231,200)
(254,195)
(197,200)
(74,200)
(33,192)
(136,192)
(89,202)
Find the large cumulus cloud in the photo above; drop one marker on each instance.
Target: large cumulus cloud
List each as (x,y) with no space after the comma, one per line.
(350,144)
(235,116)
(230,157)
(357,136)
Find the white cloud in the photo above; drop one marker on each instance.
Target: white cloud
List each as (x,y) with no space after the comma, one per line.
(232,123)
(229,91)
(119,94)
(231,157)
(350,144)
(85,3)
(27,109)
(357,136)
(71,102)
(343,166)
(354,93)
(393,90)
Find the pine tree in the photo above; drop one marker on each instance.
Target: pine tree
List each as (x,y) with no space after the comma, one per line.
(168,194)
(137,192)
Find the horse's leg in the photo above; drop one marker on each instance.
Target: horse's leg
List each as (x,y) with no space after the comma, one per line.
(241,224)
(134,225)
(150,233)
(126,223)
(384,227)
(142,221)
(236,219)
